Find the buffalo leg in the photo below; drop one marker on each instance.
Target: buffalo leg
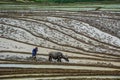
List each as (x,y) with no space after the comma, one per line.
(59,59)
(50,58)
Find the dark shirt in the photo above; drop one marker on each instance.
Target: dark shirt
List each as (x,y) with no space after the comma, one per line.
(34,51)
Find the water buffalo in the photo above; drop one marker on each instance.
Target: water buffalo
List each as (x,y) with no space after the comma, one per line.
(57,56)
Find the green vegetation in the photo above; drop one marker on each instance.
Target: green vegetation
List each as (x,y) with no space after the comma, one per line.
(69,1)
(69,5)
(60,1)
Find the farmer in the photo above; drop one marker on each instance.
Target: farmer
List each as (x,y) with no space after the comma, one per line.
(34,52)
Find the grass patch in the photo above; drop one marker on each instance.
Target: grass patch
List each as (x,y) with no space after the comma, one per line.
(82,6)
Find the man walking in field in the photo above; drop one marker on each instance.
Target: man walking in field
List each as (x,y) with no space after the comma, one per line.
(34,52)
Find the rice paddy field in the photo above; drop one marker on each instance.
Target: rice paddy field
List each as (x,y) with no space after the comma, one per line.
(68,7)
(88,34)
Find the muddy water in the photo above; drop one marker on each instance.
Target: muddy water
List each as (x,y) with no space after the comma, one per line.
(64,77)
(20,75)
(55,66)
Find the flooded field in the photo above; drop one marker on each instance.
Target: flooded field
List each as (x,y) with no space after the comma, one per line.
(88,37)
